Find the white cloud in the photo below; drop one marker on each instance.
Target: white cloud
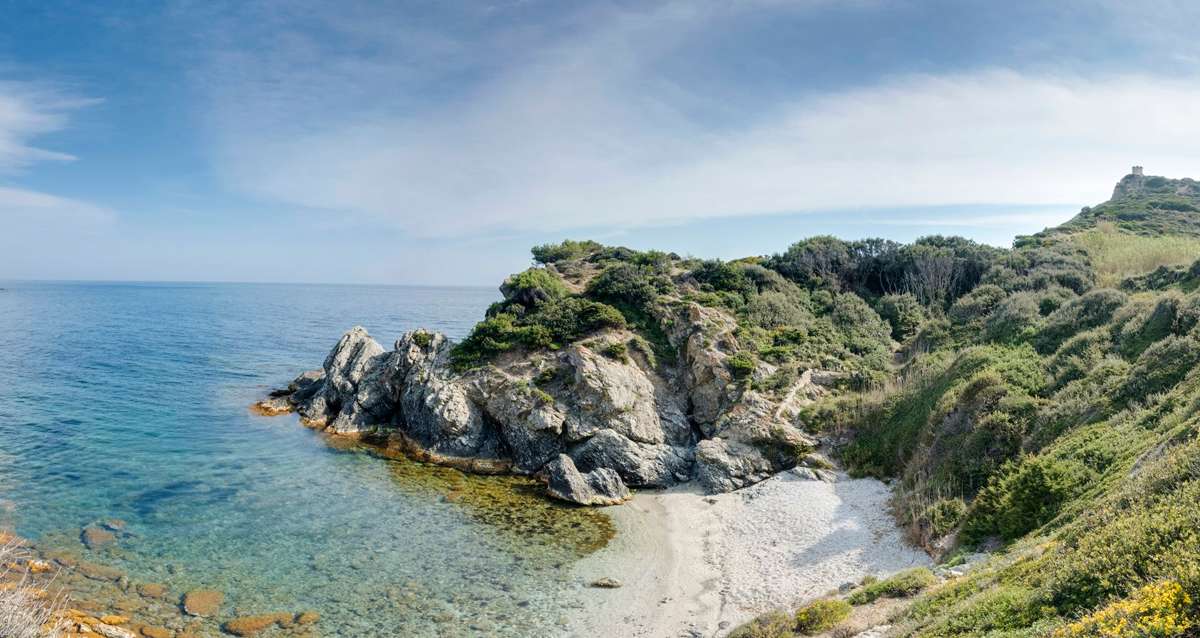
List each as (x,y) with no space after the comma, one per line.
(27,111)
(583,132)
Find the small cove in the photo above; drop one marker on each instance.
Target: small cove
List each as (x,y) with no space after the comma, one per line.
(129,401)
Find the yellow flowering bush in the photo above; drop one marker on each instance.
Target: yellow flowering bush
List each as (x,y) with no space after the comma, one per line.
(1160,610)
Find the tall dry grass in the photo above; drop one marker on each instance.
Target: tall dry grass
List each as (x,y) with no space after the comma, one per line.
(1116,254)
(25,611)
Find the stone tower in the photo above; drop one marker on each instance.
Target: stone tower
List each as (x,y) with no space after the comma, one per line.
(1137,170)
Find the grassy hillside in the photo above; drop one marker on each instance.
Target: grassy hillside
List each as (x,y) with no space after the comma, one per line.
(1050,414)
(1040,402)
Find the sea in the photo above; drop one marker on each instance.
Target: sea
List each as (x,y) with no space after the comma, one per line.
(129,402)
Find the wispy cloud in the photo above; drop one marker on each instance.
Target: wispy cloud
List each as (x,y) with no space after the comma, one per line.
(582,132)
(28,111)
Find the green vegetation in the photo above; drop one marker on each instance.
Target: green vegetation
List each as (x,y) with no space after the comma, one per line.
(616,351)
(814,618)
(821,615)
(906,583)
(1043,400)
(774,624)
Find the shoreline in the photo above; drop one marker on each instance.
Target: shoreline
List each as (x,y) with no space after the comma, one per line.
(700,565)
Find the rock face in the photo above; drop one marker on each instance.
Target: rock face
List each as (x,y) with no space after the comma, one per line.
(599,487)
(590,423)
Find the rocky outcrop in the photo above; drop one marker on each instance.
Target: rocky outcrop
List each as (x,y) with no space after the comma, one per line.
(601,486)
(591,424)
(356,394)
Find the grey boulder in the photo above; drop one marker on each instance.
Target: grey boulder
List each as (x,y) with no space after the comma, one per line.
(601,486)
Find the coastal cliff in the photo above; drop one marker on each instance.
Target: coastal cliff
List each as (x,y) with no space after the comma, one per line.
(648,366)
(593,421)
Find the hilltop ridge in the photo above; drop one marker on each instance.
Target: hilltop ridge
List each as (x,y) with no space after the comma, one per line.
(1144,204)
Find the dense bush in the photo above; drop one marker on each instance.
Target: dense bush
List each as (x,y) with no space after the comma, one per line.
(1026,495)
(533,287)
(1079,355)
(1089,311)
(568,249)
(865,331)
(973,307)
(715,275)
(1138,325)
(1161,609)
(625,286)
(1015,319)
(905,583)
(776,310)
(552,324)
(1160,367)
(814,262)
(821,615)
(903,313)
(775,624)
(741,365)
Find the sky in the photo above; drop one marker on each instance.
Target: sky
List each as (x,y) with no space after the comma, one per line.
(434,142)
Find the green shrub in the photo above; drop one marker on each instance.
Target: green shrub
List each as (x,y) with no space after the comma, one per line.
(864,331)
(1089,311)
(625,286)
(643,346)
(1146,323)
(716,275)
(552,324)
(616,351)
(775,624)
(1014,319)
(999,610)
(816,261)
(903,313)
(943,515)
(972,308)
(741,364)
(1026,495)
(1160,367)
(821,615)
(905,583)
(776,309)
(495,335)
(1079,355)
(532,287)
(567,249)
(422,338)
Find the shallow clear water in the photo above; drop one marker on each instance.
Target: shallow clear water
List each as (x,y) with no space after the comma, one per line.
(130,401)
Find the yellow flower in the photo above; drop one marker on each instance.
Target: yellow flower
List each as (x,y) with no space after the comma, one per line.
(1159,610)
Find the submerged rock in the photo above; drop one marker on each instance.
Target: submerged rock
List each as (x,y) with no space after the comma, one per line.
(202,602)
(599,487)
(254,625)
(96,537)
(606,583)
(152,590)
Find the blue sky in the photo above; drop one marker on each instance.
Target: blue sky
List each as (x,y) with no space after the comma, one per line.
(434,142)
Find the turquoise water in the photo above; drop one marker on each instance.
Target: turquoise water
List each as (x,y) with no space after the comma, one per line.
(130,401)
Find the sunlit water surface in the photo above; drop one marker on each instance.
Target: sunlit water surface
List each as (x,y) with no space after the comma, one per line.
(130,401)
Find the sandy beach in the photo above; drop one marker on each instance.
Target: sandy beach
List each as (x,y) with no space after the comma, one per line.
(693,565)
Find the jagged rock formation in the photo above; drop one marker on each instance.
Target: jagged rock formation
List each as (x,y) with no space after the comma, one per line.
(591,423)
